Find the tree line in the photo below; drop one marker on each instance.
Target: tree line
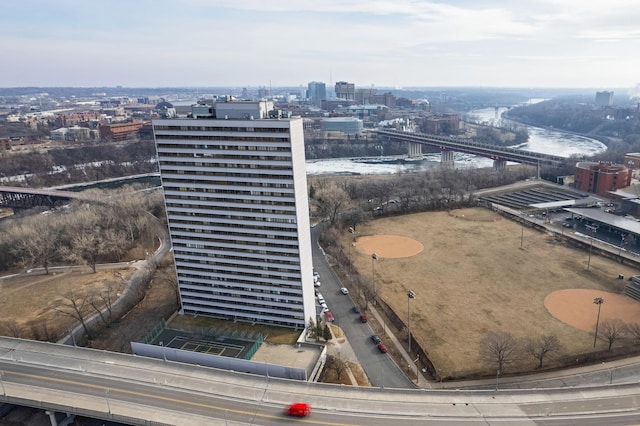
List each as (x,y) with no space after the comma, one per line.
(81,233)
(501,349)
(84,163)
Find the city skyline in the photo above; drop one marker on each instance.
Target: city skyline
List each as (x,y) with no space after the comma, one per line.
(241,43)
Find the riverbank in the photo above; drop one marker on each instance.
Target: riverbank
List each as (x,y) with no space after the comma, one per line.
(600,138)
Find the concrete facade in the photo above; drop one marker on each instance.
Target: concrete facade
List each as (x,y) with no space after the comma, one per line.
(236,197)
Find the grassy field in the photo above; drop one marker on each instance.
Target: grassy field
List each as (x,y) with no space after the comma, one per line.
(473,278)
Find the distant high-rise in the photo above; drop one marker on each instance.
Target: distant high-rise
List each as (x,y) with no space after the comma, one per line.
(316,93)
(235,189)
(346,91)
(604,98)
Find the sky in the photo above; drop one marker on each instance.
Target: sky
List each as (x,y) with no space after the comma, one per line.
(372,43)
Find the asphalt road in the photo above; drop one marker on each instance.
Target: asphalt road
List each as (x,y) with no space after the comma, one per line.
(176,400)
(380,368)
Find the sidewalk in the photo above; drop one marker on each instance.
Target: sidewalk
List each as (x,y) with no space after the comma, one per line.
(422,382)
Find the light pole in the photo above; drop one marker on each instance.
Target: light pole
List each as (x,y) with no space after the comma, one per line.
(621,243)
(598,301)
(590,247)
(610,372)
(374,257)
(410,295)
(352,231)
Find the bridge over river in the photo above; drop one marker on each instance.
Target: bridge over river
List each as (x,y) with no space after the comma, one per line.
(448,145)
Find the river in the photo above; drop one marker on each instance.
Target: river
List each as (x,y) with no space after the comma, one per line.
(540,140)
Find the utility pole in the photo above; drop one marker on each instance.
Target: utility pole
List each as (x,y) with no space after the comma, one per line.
(410,295)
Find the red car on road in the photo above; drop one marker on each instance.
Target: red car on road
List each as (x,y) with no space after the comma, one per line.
(298,409)
(382,347)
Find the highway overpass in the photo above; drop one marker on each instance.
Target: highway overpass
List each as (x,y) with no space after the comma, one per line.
(144,391)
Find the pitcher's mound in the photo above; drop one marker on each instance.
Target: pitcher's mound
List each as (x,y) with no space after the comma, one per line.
(389,246)
(575,307)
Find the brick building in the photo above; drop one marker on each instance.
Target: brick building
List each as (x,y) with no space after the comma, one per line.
(121,131)
(602,177)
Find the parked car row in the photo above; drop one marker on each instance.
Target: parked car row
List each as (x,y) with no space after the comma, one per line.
(378,341)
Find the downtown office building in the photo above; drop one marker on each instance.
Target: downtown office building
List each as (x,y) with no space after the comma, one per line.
(235,188)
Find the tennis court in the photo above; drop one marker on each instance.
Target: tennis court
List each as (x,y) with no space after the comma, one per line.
(206,346)
(209,342)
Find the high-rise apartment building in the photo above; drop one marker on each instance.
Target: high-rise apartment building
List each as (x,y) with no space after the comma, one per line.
(604,98)
(235,191)
(316,93)
(346,91)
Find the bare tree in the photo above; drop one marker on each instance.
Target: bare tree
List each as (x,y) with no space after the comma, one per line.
(10,328)
(76,307)
(40,330)
(102,302)
(612,330)
(36,241)
(337,364)
(332,201)
(634,330)
(169,276)
(542,347)
(114,243)
(500,348)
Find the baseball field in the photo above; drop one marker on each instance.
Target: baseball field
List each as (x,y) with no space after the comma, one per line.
(474,272)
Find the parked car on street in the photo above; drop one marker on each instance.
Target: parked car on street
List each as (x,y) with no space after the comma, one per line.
(356,309)
(344,290)
(376,339)
(382,347)
(363,318)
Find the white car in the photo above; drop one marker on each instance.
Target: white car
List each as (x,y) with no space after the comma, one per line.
(317,284)
(321,301)
(344,290)
(315,279)
(324,306)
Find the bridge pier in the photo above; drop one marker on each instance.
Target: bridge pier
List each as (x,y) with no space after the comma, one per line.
(499,165)
(54,420)
(415,150)
(446,159)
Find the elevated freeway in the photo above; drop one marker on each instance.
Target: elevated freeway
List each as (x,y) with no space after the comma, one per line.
(446,144)
(144,391)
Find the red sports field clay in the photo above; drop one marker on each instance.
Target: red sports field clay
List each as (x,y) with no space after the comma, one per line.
(389,246)
(575,307)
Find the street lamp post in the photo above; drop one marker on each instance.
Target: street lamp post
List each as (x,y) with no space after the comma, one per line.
(410,295)
(352,231)
(374,257)
(593,231)
(621,243)
(610,372)
(598,301)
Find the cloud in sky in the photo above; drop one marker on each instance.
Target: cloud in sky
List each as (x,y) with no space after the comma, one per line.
(145,43)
